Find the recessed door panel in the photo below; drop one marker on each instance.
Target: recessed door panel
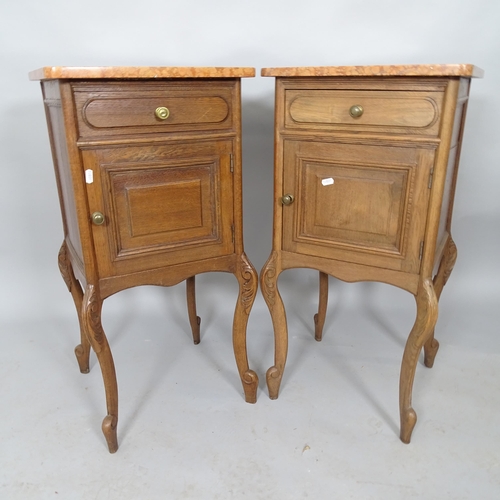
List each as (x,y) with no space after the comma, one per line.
(171,213)
(161,207)
(335,191)
(359,203)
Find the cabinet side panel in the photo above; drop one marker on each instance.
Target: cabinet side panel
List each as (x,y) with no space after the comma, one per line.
(452,167)
(237,168)
(55,123)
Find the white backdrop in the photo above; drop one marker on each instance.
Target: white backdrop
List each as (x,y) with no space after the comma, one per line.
(224,33)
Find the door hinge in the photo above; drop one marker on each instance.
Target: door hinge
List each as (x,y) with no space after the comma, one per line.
(421,252)
(231,163)
(431,176)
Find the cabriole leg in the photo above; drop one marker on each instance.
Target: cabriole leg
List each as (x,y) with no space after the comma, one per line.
(91,315)
(444,271)
(194,320)
(319,318)
(268,280)
(82,351)
(247,279)
(427,312)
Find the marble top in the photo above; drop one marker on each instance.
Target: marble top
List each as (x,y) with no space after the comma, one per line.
(465,70)
(138,72)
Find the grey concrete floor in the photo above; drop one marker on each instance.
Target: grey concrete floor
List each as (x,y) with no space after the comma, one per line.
(186,432)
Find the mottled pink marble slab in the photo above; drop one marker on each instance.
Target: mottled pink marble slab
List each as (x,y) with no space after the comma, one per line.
(465,70)
(138,72)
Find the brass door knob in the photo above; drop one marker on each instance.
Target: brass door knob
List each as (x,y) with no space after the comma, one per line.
(98,218)
(356,111)
(287,199)
(162,113)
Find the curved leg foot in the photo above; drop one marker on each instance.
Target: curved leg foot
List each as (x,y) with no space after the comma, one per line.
(91,315)
(250,382)
(409,417)
(82,350)
(109,425)
(319,318)
(82,353)
(194,320)
(273,380)
(427,312)
(445,268)
(431,348)
(247,279)
(268,280)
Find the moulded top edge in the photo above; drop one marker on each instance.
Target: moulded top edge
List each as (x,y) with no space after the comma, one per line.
(463,70)
(138,72)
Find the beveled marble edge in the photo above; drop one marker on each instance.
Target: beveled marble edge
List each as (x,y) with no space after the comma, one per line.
(465,70)
(139,72)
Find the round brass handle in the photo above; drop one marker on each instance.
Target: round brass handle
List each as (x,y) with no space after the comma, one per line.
(287,199)
(356,111)
(162,113)
(98,218)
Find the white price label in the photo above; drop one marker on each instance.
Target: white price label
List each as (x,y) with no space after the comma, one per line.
(89,176)
(327,182)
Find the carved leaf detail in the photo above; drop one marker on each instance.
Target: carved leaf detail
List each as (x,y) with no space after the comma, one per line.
(92,314)
(249,286)
(65,266)
(268,279)
(451,258)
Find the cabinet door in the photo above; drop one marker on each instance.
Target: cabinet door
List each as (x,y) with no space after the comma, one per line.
(359,203)
(163,204)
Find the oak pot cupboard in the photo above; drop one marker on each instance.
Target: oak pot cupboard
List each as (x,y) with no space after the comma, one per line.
(366,162)
(148,168)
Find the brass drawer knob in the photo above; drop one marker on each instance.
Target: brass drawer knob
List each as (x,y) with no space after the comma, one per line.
(356,111)
(98,218)
(162,113)
(287,199)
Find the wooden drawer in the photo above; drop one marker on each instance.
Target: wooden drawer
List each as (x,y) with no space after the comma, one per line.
(105,110)
(407,112)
